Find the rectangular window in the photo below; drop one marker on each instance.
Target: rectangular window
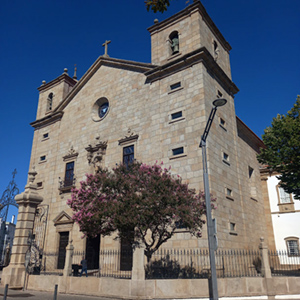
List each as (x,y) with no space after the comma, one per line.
(228,192)
(176,115)
(177,151)
(69,174)
(179,225)
(128,155)
(250,170)
(284,196)
(175,86)
(226,158)
(293,247)
(219,94)
(43,158)
(222,122)
(232,226)
(45,135)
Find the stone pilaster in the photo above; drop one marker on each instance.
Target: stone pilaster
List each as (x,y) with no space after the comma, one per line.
(264,175)
(28,201)
(69,259)
(265,266)
(138,272)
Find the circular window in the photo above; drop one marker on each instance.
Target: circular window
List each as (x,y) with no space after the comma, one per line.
(100,109)
(103,109)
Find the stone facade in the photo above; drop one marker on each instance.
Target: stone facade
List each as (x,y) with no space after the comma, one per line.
(143,104)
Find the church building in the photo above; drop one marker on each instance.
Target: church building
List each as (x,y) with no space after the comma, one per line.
(122,110)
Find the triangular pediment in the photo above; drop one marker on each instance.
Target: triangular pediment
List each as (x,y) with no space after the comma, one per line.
(63,218)
(108,62)
(101,61)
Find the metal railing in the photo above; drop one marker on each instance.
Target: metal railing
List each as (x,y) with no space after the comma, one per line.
(116,263)
(169,263)
(284,264)
(110,263)
(194,263)
(49,264)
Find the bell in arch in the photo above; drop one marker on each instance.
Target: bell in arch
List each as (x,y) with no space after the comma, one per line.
(175,45)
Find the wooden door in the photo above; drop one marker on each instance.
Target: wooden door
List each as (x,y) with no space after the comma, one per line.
(63,242)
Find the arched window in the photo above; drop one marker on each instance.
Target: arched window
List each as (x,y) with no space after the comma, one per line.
(174,42)
(49,102)
(216,50)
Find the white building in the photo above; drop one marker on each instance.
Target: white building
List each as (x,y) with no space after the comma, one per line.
(285,216)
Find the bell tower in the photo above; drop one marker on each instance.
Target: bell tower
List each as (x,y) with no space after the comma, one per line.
(53,92)
(185,32)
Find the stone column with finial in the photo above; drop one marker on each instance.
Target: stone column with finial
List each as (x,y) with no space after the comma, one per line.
(266,270)
(265,266)
(28,201)
(69,260)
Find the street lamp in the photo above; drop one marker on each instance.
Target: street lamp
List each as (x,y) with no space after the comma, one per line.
(211,234)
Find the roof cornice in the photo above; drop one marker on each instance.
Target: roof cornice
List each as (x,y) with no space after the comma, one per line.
(196,6)
(49,119)
(62,77)
(252,139)
(189,59)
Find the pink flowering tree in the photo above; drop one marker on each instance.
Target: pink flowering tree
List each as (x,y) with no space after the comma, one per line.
(142,203)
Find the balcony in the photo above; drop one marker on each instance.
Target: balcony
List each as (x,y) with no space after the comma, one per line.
(66,185)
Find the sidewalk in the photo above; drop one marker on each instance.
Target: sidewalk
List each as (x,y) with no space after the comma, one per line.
(35,295)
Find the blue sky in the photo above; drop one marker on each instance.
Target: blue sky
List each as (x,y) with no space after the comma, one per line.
(40,38)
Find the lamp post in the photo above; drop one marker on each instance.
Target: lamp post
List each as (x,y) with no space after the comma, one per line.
(211,234)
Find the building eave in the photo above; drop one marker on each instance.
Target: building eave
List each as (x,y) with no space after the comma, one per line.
(246,134)
(62,77)
(189,59)
(49,119)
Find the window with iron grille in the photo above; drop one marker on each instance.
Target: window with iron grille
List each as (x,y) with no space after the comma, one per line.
(284,197)
(292,247)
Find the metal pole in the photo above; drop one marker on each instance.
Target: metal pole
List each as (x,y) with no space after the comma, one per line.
(55,292)
(212,245)
(5,292)
(210,226)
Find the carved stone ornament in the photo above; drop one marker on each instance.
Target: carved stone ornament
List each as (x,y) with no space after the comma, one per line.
(31,175)
(95,152)
(129,137)
(71,154)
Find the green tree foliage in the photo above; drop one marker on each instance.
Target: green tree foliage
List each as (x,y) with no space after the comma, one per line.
(157,5)
(140,203)
(282,153)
